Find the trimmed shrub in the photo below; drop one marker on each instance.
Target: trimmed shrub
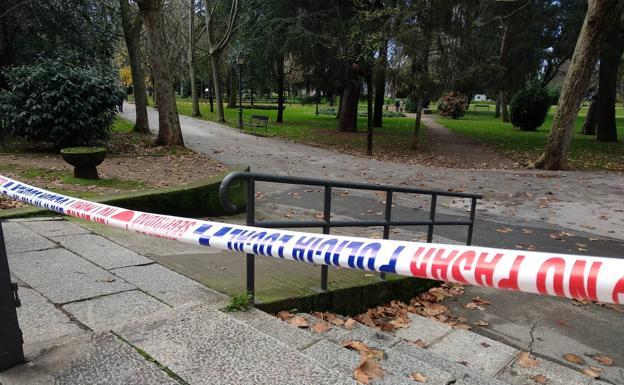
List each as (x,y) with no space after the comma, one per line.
(55,102)
(453,105)
(529,107)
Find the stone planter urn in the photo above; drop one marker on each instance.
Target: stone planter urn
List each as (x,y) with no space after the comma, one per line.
(85,160)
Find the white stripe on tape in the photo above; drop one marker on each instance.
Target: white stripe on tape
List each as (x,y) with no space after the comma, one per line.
(586,278)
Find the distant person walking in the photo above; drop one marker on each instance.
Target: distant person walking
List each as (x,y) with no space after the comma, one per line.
(397,105)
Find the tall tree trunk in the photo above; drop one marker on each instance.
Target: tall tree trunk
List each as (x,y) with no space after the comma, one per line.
(347,121)
(504,106)
(416,133)
(233,88)
(216,80)
(589,126)
(279,67)
(599,15)
(380,85)
(169,132)
(215,48)
(420,68)
(497,109)
(504,63)
(132,34)
(191,59)
(610,58)
(369,115)
(211,98)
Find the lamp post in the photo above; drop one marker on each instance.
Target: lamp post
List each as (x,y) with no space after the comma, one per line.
(240,61)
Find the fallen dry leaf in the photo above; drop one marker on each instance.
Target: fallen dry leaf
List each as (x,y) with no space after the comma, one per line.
(350,323)
(462,326)
(367,370)
(363,349)
(573,358)
(418,377)
(299,322)
(504,230)
(527,361)
(605,360)
(473,305)
(482,323)
(481,301)
(591,373)
(539,379)
(284,315)
(320,327)
(420,343)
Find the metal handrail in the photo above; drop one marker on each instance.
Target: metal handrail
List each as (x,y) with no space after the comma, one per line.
(326,223)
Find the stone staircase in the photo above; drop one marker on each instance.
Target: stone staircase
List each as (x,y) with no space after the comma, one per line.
(449,356)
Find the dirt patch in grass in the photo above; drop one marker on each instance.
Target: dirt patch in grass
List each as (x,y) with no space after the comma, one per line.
(133,164)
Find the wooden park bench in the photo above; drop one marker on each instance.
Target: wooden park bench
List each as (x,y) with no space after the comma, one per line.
(258,121)
(484,106)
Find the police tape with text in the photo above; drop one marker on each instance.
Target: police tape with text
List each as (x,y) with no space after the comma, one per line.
(585,278)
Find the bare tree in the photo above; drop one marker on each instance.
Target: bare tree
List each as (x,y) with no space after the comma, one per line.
(169,131)
(597,19)
(132,34)
(215,49)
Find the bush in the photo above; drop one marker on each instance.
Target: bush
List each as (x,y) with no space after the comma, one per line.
(453,105)
(308,99)
(55,102)
(529,106)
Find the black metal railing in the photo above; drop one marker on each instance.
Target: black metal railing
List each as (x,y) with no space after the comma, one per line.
(326,223)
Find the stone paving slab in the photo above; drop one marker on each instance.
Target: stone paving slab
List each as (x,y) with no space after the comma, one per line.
(105,313)
(421,328)
(42,323)
(555,374)
(205,346)
(62,276)
(266,323)
(98,359)
(465,375)
(101,251)
(54,227)
(475,351)
(18,239)
(169,286)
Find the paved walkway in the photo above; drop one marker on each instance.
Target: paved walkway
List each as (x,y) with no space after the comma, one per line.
(95,312)
(588,202)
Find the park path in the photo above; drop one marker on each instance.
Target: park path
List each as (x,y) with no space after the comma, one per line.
(588,202)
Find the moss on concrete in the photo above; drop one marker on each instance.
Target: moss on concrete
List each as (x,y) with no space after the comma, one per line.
(356,299)
(197,199)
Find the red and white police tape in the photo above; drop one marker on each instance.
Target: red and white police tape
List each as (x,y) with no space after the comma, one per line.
(586,278)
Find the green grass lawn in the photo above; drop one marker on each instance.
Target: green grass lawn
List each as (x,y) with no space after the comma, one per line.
(302,125)
(586,153)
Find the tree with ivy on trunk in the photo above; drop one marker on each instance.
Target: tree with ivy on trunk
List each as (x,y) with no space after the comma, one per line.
(169,131)
(599,16)
(132,25)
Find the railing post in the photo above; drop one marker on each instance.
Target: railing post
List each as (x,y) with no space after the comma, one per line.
(388,217)
(250,209)
(432,213)
(11,352)
(473,209)
(326,229)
